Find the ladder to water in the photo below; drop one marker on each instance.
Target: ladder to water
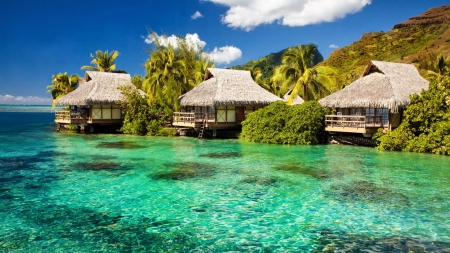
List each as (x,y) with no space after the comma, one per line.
(200,135)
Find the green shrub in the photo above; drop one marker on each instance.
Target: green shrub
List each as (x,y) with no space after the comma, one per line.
(284,124)
(166,131)
(426,123)
(141,118)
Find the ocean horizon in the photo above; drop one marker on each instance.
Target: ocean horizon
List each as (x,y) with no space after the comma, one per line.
(28,108)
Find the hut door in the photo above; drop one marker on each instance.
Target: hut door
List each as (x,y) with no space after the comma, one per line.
(240,114)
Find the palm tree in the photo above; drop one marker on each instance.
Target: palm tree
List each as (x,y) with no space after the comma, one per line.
(199,71)
(439,68)
(297,72)
(166,77)
(103,62)
(62,84)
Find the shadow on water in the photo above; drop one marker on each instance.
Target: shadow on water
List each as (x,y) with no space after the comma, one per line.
(367,191)
(307,171)
(22,176)
(61,227)
(222,155)
(15,163)
(265,181)
(99,166)
(341,242)
(102,157)
(188,170)
(120,145)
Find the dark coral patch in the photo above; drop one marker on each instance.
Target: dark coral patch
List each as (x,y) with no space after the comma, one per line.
(119,145)
(367,191)
(108,166)
(305,170)
(187,170)
(342,242)
(268,181)
(102,157)
(222,155)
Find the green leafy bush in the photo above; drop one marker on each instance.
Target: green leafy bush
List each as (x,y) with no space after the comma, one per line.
(140,118)
(426,123)
(284,124)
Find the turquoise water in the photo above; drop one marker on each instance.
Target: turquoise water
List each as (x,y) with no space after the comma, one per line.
(68,192)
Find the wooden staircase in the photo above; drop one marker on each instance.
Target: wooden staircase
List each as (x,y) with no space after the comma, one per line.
(202,129)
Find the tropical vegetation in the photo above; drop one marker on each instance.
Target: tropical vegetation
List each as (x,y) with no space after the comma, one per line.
(103,62)
(280,123)
(426,121)
(299,74)
(141,118)
(62,84)
(173,70)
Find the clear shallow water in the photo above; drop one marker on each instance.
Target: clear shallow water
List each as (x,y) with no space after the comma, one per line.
(68,192)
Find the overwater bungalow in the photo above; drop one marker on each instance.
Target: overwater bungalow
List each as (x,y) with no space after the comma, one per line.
(376,100)
(94,102)
(221,101)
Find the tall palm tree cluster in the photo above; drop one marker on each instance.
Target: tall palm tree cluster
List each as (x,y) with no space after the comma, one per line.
(103,62)
(298,73)
(62,84)
(172,71)
(439,68)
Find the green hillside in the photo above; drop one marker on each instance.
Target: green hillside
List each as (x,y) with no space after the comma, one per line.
(268,63)
(413,41)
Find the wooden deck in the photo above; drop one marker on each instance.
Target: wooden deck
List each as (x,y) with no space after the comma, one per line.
(194,120)
(353,123)
(75,118)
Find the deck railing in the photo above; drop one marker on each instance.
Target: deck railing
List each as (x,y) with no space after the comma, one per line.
(354,121)
(68,115)
(62,115)
(192,117)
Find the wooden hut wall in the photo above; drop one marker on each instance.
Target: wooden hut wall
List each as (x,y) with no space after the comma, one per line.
(226,114)
(106,112)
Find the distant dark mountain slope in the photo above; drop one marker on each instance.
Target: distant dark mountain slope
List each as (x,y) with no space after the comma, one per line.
(268,63)
(412,41)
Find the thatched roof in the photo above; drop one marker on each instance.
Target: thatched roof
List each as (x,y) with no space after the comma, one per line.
(227,87)
(297,100)
(98,88)
(382,85)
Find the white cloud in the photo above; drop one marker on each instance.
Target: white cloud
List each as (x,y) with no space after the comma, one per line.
(225,54)
(221,55)
(8,99)
(192,39)
(196,15)
(247,14)
(333,46)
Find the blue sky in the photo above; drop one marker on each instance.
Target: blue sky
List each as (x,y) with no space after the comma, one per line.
(41,38)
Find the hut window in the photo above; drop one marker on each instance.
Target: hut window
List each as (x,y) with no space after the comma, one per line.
(384,113)
(212,110)
(370,113)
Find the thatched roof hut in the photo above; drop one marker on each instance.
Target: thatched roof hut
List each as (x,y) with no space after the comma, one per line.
(98,88)
(297,100)
(227,87)
(382,85)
